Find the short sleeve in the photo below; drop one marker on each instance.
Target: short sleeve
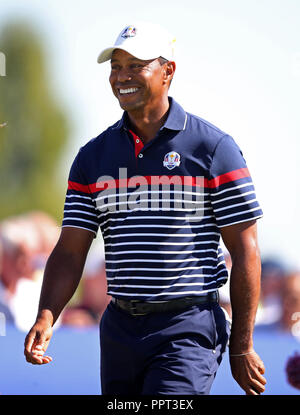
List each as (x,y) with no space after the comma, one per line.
(232,191)
(80,208)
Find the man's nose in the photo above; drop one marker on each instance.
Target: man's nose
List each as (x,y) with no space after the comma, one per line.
(124,75)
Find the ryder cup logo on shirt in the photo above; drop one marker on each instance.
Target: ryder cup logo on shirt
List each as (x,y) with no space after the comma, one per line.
(130,31)
(171,160)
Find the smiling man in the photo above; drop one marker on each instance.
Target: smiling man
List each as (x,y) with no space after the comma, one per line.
(164,186)
(141,86)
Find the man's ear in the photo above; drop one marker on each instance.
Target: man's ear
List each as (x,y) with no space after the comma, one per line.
(170,68)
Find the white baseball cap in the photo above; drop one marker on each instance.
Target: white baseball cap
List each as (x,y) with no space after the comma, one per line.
(144,41)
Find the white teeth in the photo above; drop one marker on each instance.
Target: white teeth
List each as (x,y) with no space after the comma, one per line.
(128,91)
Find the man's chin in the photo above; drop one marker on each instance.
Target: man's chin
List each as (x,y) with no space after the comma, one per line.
(130,106)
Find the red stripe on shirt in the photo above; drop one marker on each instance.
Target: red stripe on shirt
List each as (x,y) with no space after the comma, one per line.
(163,179)
(84,188)
(229,177)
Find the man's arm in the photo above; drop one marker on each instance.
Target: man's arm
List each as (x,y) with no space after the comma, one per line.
(61,278)
(241,242)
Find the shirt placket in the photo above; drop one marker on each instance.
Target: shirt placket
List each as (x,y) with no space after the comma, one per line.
(138,145)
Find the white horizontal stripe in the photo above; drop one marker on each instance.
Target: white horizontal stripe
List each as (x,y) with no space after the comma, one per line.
(162,286)
(160,226)
(80,204)
(152,210)
(161,252)
(239,213)
(145,201)
(176,235)
(163,269)
(161,260)
(80,227)
(162,243)
(248,202)
(81,220)
(80,211)
(232,188)
(164,293)
(81,197)
(185,218)
(136,193)
(241,221)
(233,197)
(177,277)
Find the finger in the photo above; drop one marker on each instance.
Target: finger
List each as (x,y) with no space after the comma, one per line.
(257,386)
(47,359)
(39,355)
(39,349)
(261,368)
(260,378)
(29,340)
(252,391)
(35,360)
(39,360)
(256,373)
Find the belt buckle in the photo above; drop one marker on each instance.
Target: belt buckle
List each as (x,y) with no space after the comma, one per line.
(133,309)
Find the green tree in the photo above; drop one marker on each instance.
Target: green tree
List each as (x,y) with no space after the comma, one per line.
(36,130)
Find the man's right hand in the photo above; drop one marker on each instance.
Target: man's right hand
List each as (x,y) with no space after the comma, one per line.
(36,343)
(61,278)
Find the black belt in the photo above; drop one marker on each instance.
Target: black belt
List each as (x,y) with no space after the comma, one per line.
(140,308)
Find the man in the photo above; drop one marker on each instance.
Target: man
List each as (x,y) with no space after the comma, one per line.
(163,185)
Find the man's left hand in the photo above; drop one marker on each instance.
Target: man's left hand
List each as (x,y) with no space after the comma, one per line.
(247,370)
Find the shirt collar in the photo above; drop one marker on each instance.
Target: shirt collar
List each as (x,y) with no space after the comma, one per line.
(176,120)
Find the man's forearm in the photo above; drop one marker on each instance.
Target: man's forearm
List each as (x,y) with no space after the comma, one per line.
(244,294)
(61,278)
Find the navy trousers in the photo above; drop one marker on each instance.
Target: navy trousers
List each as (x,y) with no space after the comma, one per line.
(175,352)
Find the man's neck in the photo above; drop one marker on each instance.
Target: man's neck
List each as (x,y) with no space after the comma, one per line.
(147,122)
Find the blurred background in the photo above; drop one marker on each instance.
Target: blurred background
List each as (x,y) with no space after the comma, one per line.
(238,66)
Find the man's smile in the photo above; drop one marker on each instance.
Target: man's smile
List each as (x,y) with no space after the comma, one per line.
(126,91)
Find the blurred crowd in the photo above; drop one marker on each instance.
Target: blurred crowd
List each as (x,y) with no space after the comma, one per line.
(26,242)
(279,305)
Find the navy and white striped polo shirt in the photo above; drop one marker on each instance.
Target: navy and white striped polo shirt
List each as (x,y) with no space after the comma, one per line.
(160,206)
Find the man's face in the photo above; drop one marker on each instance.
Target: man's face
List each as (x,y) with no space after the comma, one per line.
(136,83)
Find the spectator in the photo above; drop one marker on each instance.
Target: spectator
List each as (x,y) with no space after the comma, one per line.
(23,246)
(48,234)
(273,273)
(19,244)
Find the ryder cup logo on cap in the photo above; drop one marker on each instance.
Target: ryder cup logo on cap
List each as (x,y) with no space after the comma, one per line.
(144,41)
(171,160)
(129,31)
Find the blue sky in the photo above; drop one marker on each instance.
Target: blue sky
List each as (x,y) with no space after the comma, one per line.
(238,66)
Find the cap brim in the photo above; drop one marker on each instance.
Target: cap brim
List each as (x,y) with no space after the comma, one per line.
(106,54)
